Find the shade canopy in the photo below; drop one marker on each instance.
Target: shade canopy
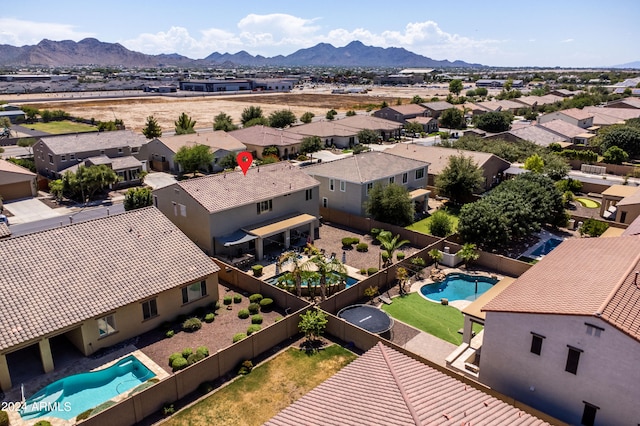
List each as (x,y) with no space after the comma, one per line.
(238,237)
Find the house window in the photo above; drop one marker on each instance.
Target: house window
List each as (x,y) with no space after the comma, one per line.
(308,194)
(149,309)
(331,184)
(536,343)
(369,187)
(63,158)
(623,217)
(107,325)
(194,291)
(72,157)
(593,330)
(419,174)
(102,152)
(119,150)
(405,177)
(343,186)
(392,179)
(325,202)
(589,414)
(135,150)
(50,159)
(573,358)
(264,206)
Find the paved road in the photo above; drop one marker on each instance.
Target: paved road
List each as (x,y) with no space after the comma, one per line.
(65,219)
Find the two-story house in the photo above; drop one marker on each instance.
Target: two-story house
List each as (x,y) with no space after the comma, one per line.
(401,113)
(575,116)
(230,214)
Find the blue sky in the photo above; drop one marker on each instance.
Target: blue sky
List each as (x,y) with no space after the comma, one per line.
(566,33)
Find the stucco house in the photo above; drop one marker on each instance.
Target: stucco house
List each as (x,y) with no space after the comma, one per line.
(232,214)
(573,133)
(565,336)
(535,133)
(94,284)
(345,183)
(575,116)
(160,152)
(620,203)
(16,181)
(386,128)
(491,165)
(436,108)
(257,138)
(401,113)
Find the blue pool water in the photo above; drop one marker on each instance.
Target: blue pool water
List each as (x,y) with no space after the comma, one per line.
(457,287)
(68,397)
(545,248)
(274,280)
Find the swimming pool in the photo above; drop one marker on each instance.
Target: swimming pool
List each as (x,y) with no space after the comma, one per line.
(546,247)
(457,287)
(274,280)
(68,397)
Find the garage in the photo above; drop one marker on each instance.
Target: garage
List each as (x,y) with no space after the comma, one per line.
(17,182)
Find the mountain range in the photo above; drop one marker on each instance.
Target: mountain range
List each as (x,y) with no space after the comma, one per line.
(90,51)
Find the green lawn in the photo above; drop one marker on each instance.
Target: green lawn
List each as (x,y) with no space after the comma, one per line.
(588,203)
(59,127)
(268,389)
(433,318)
(424,226)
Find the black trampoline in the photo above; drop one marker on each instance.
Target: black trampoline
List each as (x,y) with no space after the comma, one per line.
(368,317)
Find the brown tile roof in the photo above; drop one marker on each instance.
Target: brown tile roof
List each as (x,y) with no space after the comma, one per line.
(437,105)
(385,387)
(266,136)
(324,129)
(365,167)
(489,105)
(537,134)
(582,276)
(438,157)
(563,128)
(630,200)
(576,113)
(8,166)
(57,278)
(408,109)
(4,230)
(620,113)
(216,140)
(633,228)
(225,191)
(529,101)
(93,141)
(360,122)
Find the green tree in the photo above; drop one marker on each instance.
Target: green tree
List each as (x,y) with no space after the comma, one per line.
(384,104)
(191,159)
(281,118)
(481,223)
(417,100)
(460,179)
(137,198)
(93,179)
(436,255)
(27,143)
(298,267)
(468,253)
(271,150)
(250,113)
(534,163)
(389,244)
(350,113)
(331,114)
(5,122)
(313,324)
(481,91)
(224,122)
(152,129)
(184,125)
(593,227)
(390,204)
(615,155)
(440,224)
(494,122)
(452,118)
(258,121)
(413,127)
(626,138)
(455,86)
(328,270)
(30,112)
(56,188)
(307,117)
(368,136)
(555,166)
(310,144)
(228,161)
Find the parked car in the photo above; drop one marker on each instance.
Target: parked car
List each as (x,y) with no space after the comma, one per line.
(4,219)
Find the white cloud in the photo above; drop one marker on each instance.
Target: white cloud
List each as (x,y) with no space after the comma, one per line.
(568,40)
(17,32)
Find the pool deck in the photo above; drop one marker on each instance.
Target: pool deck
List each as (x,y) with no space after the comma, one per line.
(82,366)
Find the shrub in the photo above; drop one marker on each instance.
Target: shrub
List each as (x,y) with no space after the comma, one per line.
(346,242)
(227,300)
(256,319)
(362,247)
(186,352)
(372,271)
(173,357)
(179,364)
(193,358)
(41,423)
(245,367)
(82,416)
(441,224)
(363,271)
(254,308)
(243,313)
(169,334)
(192,324)
(266,304)
(255,298)
(168,409)
(400,255)
(385,256)
(593,228)
(238,336)
(257,270)
(209,317)
(203,350)
(418,261)
(237,298)
(253,328)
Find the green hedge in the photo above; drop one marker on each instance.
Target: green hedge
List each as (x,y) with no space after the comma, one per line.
(227,300)
(256,319)
(254,308)
(209,317)
(253,328)
(238,336)
(362,247)
(255,298)
(192,324)
(266,304)
(257,270)
(243,313)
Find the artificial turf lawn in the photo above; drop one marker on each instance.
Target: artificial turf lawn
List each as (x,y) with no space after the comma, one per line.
(269,388)
(424,226)
(442,321)
(590,204)
(61,127)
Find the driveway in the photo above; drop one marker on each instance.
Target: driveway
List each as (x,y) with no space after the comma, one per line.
(30,210)
(159,179)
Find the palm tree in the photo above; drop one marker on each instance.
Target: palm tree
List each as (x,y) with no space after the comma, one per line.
(298,268)
(436,255)
(390,244)
(468,253)
(325,268)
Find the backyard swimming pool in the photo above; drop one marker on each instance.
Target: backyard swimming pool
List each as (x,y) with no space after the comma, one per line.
(458,287)
(546,247)
(70,396)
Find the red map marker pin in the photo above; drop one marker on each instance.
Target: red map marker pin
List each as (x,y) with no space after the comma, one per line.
(244,160)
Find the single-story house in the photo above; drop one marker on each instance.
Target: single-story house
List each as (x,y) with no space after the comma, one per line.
(16,181)
(345,183)
(628,103)
(387,129)
(331,132)
(14,116)
(429,124)
(257,138)
(576,135)
(232,214)
(127,168)
(401,113)
(620,203)
(575,116)
(94,284)
(537,134)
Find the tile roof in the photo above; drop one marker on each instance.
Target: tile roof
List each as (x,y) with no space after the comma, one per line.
(530,101)
(582,276)
(4,230)
(578,114)
(635,103)
(225,191)
(537,134)
(92,141)
(509,104)
(620,113)
(630,200)
(324,129)
(633,228)
(489,105)
(408,109)
(438,105)
(57,278)
(216,140)
(8,166)
(563,128)
(360,122)
(386,387)
(266,136)
(438,157)
(365,167)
